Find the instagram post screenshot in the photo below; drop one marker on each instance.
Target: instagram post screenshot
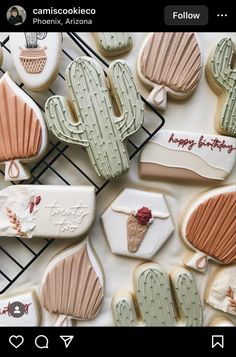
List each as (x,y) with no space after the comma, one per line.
(117,177)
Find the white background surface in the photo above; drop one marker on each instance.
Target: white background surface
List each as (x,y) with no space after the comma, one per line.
(193,114)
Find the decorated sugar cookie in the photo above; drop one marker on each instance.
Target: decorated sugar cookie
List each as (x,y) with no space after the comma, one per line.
(222,78)
(72,286)
(113,43)
(221,321)
(36,56)
(184,155)
(23,133)
(221,292)
(151,302)
(28,211)
(169,63)
(20,310)
(92,123)
(137,223)
(209,227)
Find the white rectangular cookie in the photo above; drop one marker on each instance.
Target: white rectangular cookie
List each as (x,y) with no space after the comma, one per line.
(28,211)
(187,155)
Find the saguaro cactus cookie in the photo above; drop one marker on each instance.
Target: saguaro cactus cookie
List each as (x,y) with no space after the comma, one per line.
(152,296)
(97,128)
(113,43)
(169,63)
(222,79)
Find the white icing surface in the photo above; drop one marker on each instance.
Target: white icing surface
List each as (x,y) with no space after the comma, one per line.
(217,293)
(37,81)
(31,316)
(115,222)
(190,153)
(63,212)
(195,114)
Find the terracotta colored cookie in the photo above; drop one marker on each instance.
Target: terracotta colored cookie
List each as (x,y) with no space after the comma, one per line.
(89,119)
(209,227)
(151,304)
(222,78)
(169,63)
(113,43)
(23,133)
(72,286)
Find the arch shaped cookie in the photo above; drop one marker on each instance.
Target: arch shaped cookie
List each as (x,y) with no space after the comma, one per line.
(23,133)
(209,228)
(222,79)
(36,56)
(169,63)
(72,286)
(153,299)
(94,125)
(113,43)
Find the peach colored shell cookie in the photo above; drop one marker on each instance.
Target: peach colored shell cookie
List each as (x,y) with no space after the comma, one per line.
(169,63)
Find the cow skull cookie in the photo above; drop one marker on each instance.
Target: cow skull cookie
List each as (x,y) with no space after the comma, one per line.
(137,223)
(28,211)
(113,43)
(221,292)
(96,128)
(152,304)
(20,310)
(222,78)
(169,63)
(23,133)
(209,227)
(72,286)
(36,56)
(184,155)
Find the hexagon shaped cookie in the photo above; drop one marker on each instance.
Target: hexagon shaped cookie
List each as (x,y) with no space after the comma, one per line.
(137,223)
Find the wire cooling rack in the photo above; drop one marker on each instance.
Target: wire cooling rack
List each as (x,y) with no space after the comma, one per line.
(16,255)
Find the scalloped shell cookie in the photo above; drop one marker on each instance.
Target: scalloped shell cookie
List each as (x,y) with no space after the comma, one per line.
(36,56)
(209,228)
(170,64)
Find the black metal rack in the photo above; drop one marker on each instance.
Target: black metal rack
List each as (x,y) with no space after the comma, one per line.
(11,249)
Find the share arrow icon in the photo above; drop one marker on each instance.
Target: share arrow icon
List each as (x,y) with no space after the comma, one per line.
(67,340)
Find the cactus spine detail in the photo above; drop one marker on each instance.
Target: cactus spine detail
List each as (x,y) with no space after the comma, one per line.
(97,128)
(154,301)
(226,79)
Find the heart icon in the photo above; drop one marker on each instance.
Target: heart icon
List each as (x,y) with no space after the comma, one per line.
(16,341)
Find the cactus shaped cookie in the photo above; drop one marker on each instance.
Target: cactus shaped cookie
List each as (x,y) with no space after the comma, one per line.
(113,43)
(209,228)
(97,128)
(222,78)
(152,295)
(169,63)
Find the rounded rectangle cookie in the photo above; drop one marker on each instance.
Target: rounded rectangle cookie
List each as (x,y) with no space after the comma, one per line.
(112,44)
(43,211)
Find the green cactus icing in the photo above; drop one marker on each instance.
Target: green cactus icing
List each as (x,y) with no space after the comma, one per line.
(154,299)
(188,300)
(114,42)
(97,128)
(226,78)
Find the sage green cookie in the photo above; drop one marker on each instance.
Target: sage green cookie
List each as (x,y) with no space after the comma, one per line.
(113,43)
